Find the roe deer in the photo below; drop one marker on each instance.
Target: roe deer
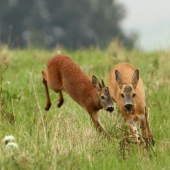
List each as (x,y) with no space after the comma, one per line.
(64,75)
(127,90)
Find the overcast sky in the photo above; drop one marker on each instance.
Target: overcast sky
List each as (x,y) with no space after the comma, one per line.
(151,19)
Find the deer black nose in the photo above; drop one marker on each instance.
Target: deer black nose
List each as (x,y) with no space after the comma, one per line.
(128,106)
(110,109)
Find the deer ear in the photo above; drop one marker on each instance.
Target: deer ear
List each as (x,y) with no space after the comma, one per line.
(119,79)
(135,78)
(103,83)
(96,83)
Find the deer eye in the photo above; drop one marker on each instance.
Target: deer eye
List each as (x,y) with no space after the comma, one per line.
(102,97)
(133,95)
(122,95)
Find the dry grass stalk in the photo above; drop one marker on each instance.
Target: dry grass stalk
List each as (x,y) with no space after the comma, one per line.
(127,144)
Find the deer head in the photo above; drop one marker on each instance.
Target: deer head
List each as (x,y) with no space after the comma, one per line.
(127,91)
(103,94)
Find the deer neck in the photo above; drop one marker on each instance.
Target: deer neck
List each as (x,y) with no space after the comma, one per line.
(97,101)
(93,101)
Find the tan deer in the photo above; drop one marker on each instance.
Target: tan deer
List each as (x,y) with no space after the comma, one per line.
(64,75)
(127,90)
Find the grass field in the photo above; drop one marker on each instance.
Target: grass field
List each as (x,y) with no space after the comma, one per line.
(65,138)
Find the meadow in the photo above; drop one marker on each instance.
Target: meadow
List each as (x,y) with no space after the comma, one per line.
(65,138)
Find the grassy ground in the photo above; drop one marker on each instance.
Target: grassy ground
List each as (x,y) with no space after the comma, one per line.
(65,138)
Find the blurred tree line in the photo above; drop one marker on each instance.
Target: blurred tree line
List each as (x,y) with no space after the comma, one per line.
(72,23)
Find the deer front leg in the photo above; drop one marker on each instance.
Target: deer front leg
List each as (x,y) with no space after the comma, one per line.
(134,132)
(143,131)
(98,125)
(44,81)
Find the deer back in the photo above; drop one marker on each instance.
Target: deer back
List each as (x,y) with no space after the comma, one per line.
(64,74)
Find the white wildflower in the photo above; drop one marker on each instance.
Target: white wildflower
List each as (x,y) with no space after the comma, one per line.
(9,142)
(8,139)
(58,52)
(12,145)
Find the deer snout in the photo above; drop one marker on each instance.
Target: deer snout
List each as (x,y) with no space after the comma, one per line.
(110,109)
(129,108)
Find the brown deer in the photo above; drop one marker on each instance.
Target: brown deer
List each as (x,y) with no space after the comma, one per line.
(64,75)
(127,90)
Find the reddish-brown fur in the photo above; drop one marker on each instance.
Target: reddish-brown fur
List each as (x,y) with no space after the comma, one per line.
(139,107)
(64,75)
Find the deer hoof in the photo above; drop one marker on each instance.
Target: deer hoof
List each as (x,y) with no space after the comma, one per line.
(60,103)
(47,107)
(152,141)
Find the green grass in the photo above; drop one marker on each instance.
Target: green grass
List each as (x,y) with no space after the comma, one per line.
(65,138)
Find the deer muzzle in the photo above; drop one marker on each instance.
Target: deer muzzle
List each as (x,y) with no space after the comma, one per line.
(110,109)
(129,108)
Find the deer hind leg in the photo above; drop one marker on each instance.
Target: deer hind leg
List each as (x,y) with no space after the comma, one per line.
(134,132)
(44,81)
(148,128)
(61,99)
(98,125)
